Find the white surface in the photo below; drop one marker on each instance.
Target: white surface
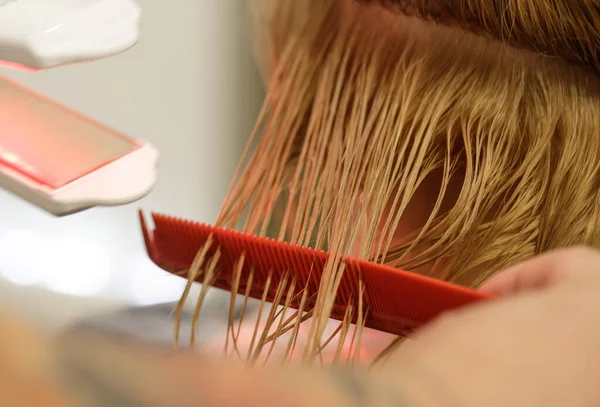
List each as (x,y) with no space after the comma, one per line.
(51,311)
(120,182)
(190,88)
(43,34)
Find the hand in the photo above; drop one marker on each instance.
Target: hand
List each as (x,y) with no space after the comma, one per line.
(539,345)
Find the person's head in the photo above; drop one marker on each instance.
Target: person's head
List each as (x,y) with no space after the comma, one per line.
(466,131)
(450,137)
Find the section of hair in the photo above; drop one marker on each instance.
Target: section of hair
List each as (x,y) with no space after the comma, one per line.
(364,110)
(564,28)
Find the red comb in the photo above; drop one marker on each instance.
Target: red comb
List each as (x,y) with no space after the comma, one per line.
(397,301)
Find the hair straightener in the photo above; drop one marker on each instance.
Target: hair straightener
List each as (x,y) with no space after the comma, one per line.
(63,162)
(50,155)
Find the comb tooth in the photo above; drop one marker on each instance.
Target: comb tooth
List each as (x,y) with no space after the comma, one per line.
(298,260)
(191,242)
(285,265)
(348,280)
(301,256)
(196,236)
(342,298)
(226,260)
(160,229)
(261,267)
(320,259)
(269,254)
(310,258)
(316,265)
(236,249)
(301,268)
(275,250)
(216,244)
(295,262)
(179,241)
(184,245)
(342,294)
(387,299)
(276,259)
(277,256)
(239,250)
(226,263)
(244,247)
(164,229)
(347,289)
(148,239)
(354,274)
(268,266)
(396,300)
(292,263)
(261,246)
(376,289)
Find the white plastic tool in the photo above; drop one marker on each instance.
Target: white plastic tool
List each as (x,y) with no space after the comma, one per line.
(41,34)
(64,162)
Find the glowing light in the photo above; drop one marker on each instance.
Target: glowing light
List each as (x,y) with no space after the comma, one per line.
(150,285)
(37,139)
(67,265)
(19,257)
(10,157)
(76,266)
(16,66)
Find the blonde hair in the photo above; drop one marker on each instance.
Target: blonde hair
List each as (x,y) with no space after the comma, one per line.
(373,117)
(556,28)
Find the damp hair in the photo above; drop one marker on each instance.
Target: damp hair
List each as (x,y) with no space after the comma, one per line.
(375,120)
(556,28)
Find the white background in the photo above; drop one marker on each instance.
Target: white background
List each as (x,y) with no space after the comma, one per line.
(190,88)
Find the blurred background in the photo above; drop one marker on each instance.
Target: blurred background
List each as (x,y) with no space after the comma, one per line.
(191,88)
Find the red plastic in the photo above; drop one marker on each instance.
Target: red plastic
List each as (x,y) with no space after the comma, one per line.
(396,301)
(15,66)
(49,143)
